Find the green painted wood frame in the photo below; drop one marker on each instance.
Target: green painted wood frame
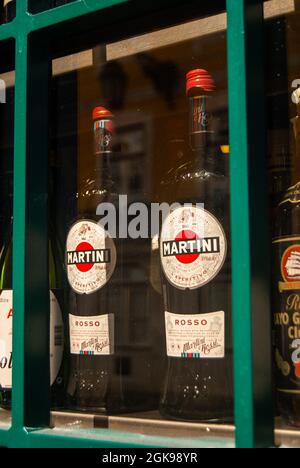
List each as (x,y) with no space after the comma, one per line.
(250,244)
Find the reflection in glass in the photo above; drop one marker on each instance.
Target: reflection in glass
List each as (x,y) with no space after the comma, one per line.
(135,146)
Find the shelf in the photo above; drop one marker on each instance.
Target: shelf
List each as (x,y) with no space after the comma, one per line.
(149,423)
(286,436)
(152,424)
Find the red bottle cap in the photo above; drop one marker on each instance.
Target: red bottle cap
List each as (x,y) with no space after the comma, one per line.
(101,113)
(199,78)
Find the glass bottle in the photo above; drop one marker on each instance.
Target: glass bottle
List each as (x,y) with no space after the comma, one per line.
(95,274)
(194,251)
(286,291)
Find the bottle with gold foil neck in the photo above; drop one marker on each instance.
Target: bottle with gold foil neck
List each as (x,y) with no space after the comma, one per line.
(286,291)
(296,134)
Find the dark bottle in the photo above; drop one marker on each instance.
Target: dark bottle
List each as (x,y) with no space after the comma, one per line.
(9,10)
(95,270)
(286,295)
(56,345)
(194,251)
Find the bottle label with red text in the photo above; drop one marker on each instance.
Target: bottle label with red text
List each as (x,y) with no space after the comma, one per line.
(92,335)
(193,247)
(199,336)
(90,257)
(6,318)
(286,313)
(6,330)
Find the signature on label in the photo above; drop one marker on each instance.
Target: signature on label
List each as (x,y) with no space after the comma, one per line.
(94,344)
(201,345)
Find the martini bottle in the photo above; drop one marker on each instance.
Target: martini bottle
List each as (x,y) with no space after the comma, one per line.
(194,252)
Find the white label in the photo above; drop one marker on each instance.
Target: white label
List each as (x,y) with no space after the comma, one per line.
(6,315)
(192,247)
(90,257)
(199,336)
(56,338)
(92,335)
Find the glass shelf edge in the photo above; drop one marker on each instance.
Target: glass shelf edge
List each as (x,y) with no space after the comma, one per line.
(101,438)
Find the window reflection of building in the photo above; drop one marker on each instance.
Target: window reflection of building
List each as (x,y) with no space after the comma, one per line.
(146,93)
(131,169)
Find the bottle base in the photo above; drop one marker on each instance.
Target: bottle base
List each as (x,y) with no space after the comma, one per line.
(290,421)
(5,407)
(108,412)
(289,409)
(93,410)
(196,417)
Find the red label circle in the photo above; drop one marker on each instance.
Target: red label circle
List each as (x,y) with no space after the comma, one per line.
(84,267)
(187,258)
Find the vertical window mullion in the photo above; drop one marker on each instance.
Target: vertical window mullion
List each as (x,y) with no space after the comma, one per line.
(22,8)
(37,314)
(249,226)
(30,237)
(19,208)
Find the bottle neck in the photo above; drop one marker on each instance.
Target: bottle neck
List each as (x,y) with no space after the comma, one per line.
(103,149)
(200,126)
(9,10)
(296,152)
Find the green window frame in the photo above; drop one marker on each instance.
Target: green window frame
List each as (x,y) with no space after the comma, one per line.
(249,224)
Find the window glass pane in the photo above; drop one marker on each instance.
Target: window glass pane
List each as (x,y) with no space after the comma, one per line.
(7,79)
(137,121)
(283,97)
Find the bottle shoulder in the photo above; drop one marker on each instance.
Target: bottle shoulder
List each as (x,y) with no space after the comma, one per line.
(287,219)
(94,193)
(189,181)
(190,170)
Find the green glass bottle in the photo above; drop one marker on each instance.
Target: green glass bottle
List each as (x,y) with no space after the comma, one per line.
(57,361)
